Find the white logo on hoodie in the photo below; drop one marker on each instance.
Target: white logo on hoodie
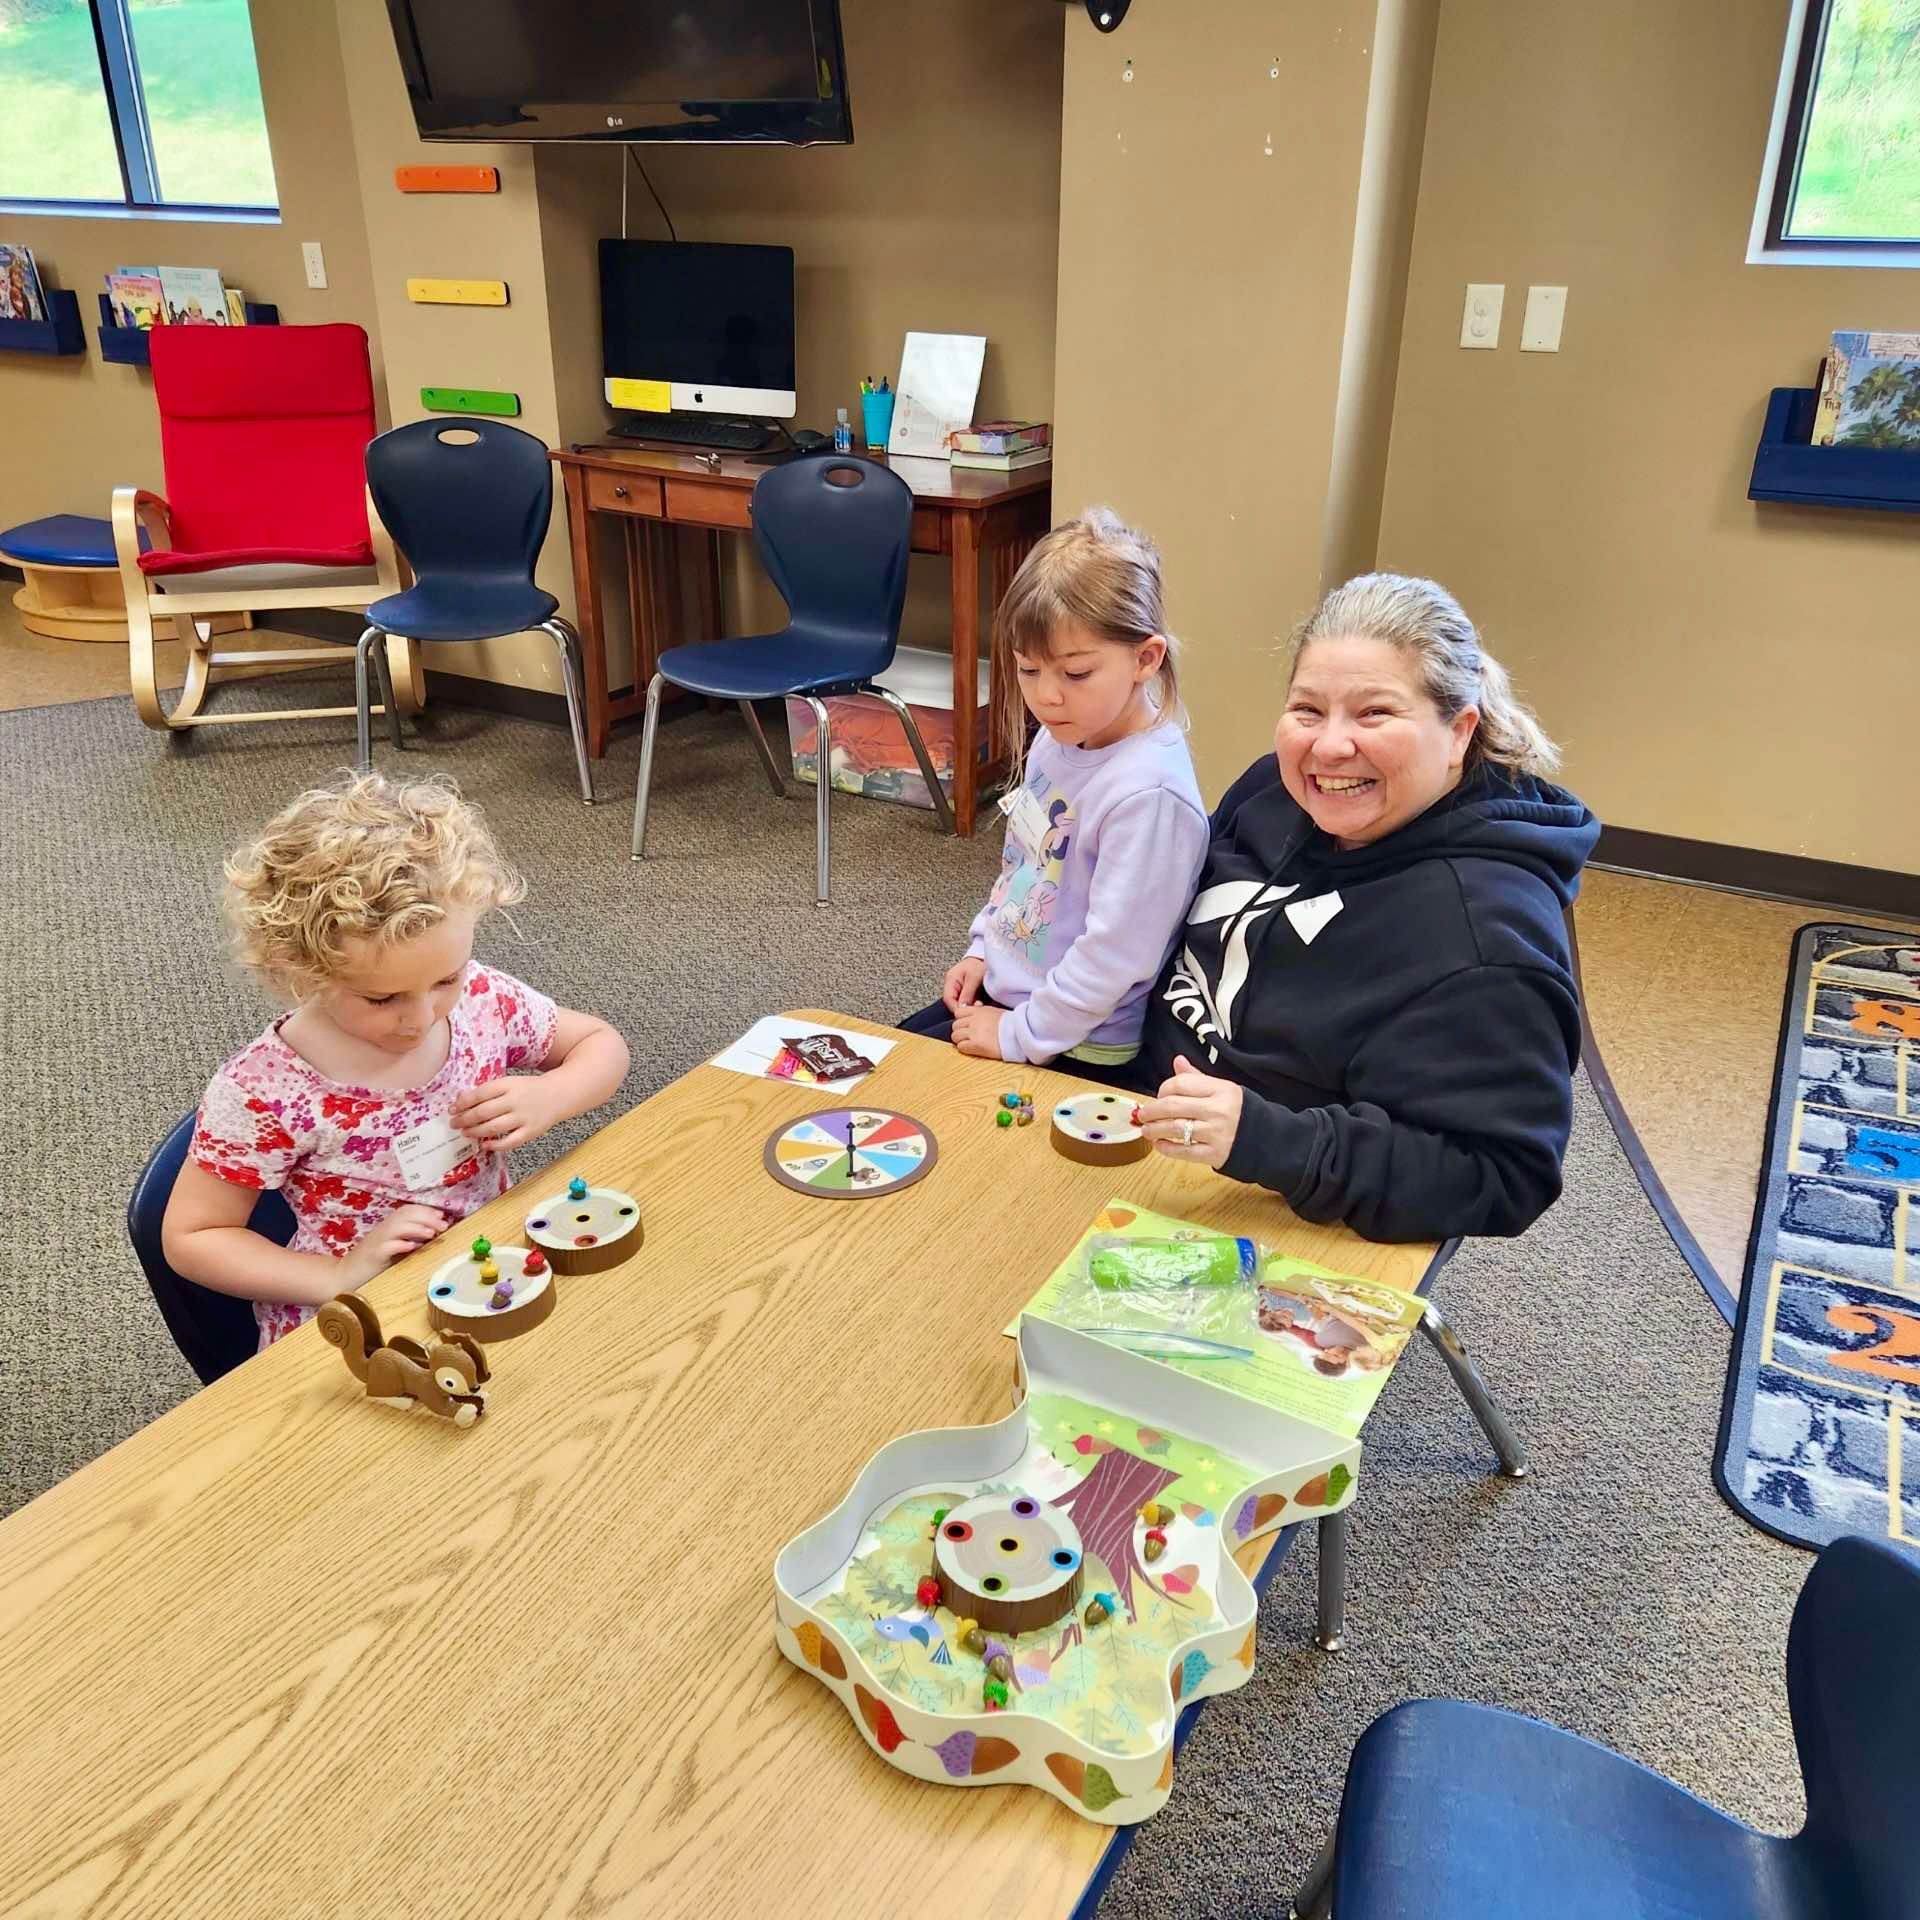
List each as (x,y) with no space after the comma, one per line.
(1188,996)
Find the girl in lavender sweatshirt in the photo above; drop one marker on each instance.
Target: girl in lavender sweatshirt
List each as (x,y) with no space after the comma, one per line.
(1105,828)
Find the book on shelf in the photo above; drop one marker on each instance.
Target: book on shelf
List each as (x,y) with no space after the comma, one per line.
(236,307)
(999,436)
(1870,392)
(21,295)
(1003,462)
(193,297)
(134,295)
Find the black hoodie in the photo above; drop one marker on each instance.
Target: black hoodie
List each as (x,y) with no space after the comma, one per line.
(1403,1016)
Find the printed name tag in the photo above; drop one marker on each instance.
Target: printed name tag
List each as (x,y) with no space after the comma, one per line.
(430,1152)
(1027,820)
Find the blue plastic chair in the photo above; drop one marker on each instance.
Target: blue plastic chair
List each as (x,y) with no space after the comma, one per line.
(833,534)
(214,1331)
(467,501)
(1451,1808)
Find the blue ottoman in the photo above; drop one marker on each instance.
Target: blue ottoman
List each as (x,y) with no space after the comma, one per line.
(72,589)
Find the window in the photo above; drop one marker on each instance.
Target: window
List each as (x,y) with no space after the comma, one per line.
(135,104)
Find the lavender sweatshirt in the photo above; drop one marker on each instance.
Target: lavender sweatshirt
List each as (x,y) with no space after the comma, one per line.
(1104,847)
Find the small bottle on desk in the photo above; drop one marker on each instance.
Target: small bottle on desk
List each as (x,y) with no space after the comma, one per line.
(842,432)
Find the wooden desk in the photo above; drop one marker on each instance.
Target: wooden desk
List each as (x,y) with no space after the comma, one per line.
(287,1653)
(962,514)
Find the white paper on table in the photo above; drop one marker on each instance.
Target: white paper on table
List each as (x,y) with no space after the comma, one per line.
(762,1044)
(939,382)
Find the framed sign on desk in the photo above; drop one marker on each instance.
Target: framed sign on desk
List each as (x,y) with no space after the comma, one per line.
(962,515)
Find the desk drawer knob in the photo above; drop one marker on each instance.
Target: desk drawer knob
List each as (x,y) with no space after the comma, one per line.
(619,493)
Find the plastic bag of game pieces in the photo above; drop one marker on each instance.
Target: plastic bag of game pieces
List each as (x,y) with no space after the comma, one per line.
(1190,1298)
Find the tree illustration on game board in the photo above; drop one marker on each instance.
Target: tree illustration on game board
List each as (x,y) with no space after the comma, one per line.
(1105,1507)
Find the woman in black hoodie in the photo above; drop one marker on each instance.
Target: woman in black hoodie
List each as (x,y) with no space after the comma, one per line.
(1373,1010)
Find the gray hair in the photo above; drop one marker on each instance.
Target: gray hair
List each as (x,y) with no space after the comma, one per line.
(1421,618)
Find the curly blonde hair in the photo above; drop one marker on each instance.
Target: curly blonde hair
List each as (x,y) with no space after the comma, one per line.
(363,859)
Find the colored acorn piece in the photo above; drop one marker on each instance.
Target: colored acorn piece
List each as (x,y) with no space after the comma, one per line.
(969,1637)
(1009,1100)
(928,1592)
(1000,1667)
(939,1514)
(502,1296)
(1156,1545)
(1003,1118)
(576,1188)
(1101,1607)
(535,1262)
(1155,1514)
(482,1246)
(994,1694)
(1024,1117)
(488,1270)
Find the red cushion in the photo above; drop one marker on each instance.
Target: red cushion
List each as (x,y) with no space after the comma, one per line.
(202,560)
(264,431)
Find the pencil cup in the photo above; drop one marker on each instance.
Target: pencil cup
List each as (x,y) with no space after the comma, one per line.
(878,408)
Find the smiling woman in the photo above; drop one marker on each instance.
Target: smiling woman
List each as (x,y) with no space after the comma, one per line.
(1373,1010)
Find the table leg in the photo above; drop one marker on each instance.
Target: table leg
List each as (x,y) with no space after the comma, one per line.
(966,669)
(1006,560)
(586,588)
(1332,1633)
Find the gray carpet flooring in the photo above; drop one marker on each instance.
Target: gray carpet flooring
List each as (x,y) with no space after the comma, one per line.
(1615,1593)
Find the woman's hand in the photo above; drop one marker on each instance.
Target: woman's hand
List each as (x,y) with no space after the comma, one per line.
(1194,1117)
(962,987)
(976,1030)
(508,1112)
(403,1231)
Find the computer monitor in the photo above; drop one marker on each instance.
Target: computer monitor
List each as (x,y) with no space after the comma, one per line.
(697,329)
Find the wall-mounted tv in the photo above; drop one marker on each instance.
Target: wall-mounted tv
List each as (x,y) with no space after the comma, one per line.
(726,70)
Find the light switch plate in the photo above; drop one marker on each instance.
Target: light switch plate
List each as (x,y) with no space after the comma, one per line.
(1480,323)
(1540,330)
(316,263)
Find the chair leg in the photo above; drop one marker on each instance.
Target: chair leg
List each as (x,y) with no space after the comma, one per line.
(568,642)
(1314,1901)
(767,760)
(1466,1376)
(919,747)
(363,719)
(823,785)
(645,783)
(1332,1542)
(383,667)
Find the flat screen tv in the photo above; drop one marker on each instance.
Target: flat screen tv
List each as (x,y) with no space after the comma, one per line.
(726,70)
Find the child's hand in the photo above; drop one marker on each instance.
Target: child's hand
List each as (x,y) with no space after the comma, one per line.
(962,986)
(507,1113)
(976,1030)
(1196,1115)
(400,1233)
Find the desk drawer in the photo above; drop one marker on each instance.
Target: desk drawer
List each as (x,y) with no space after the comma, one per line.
(623,492)
(705,503)
(929,533)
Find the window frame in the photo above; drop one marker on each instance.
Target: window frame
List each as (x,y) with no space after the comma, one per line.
(1769,244)
(126,102)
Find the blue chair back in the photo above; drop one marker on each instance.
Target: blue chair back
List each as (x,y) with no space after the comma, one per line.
(834,534)
(1853,1685)
(473,507)
(214,1331)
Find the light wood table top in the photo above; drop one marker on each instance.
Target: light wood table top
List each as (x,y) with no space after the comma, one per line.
(287,1653)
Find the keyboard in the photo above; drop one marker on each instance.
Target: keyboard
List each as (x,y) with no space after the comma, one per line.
(695,430)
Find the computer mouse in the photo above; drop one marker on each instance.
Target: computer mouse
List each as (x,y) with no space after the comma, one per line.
(810,442)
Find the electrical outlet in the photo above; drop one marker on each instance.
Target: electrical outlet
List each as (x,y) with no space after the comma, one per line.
(1480,323)
(1540,330)
(316,262)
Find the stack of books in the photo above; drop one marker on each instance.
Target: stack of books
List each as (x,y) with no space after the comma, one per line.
(1870,392)
(1001,446)
(173,296)
(21,295)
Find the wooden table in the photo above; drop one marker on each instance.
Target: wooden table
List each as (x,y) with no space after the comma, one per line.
(961,513)
(287,1653)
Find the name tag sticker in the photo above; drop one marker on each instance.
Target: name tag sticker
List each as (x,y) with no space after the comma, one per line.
(430,1152)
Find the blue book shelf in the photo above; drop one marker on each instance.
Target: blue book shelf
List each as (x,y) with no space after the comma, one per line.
(1787,468)
(128,346)
(60,332)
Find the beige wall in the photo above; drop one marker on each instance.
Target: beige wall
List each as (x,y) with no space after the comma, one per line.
(1717,670)
(942,216)
(455,236)
(1204,291)
(91,427)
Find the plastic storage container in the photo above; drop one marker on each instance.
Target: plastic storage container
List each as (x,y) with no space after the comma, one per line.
(870,751)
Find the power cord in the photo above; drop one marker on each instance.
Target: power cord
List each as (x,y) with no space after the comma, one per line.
(657,201)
